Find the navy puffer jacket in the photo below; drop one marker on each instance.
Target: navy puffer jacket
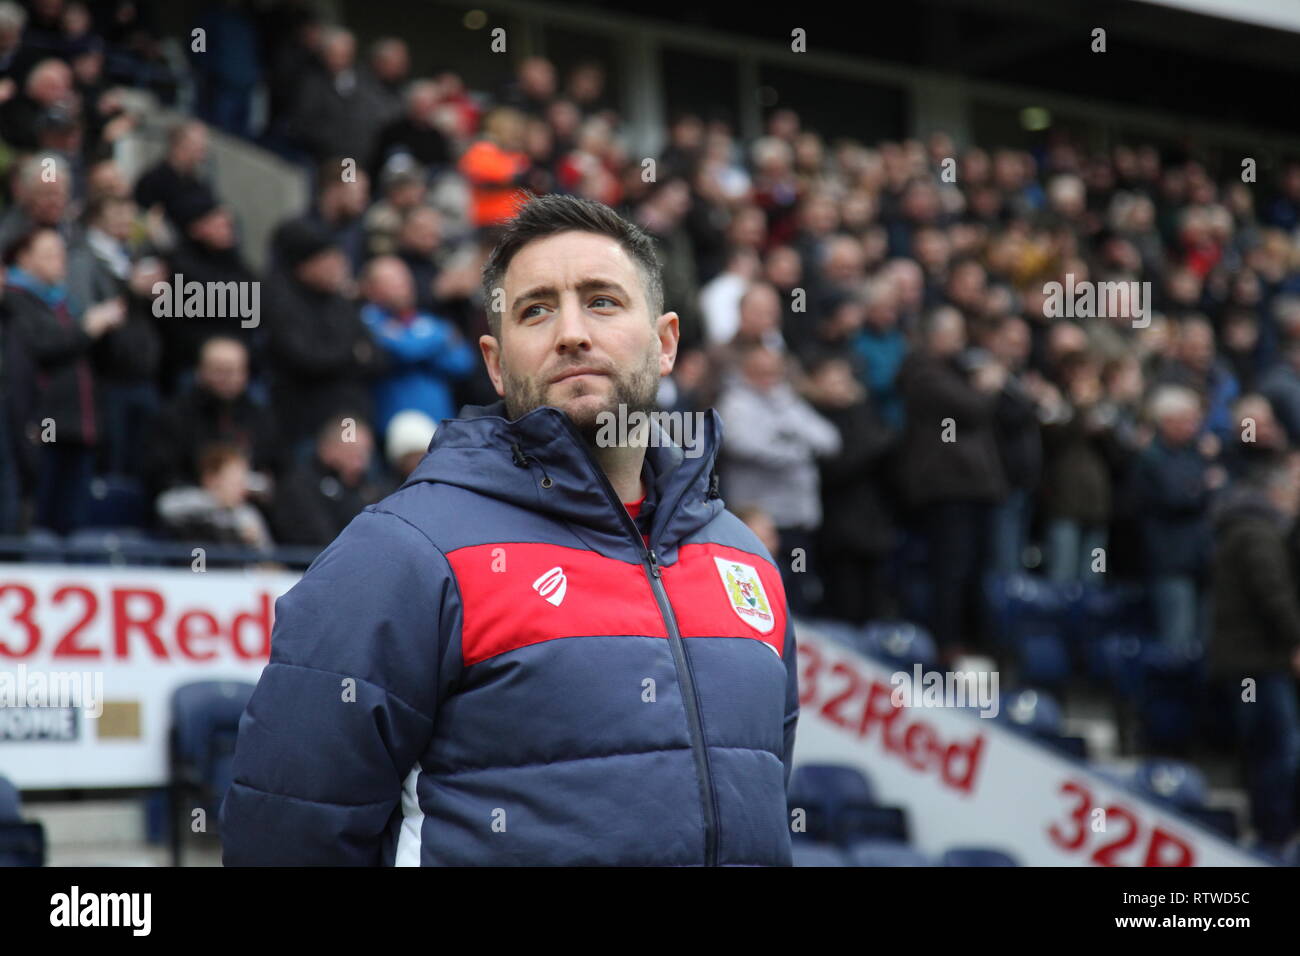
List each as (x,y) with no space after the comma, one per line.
(492,666)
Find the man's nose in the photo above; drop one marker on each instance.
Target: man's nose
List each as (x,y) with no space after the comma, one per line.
(571,329)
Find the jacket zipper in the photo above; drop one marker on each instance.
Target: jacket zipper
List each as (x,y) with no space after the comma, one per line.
(682,664)
(686,677)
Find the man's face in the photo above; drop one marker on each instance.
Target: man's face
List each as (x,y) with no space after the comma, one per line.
(327,271)
(191,149)
(389,285)
(216,229)
(764,369)
(1179,428)
(350,459)
(223,369)
(574,303)
(46,202)
(354,196)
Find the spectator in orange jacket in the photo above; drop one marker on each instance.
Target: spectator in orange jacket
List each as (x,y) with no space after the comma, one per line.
(495,167)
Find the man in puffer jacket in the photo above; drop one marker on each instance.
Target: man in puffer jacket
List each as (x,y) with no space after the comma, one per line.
(547,647)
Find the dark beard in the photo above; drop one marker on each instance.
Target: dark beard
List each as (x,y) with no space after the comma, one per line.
(635,390)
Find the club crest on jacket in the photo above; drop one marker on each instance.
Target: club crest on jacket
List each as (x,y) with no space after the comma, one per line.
(745,592)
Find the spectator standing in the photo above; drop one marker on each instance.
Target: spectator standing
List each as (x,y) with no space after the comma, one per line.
(318,498)
(208,253)
(1256,636)
(1175,484)
(177,182)
(857,536)
(321,355)
(769,458)
(495,167)
(217,409)
(1077,480)
(340,108)
(64,414)
(950,468)
(128,358)
(426,354)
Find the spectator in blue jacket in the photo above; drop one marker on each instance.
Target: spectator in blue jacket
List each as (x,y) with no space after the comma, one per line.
(1175,481)
(426,353)
(881,347)
(1199,368)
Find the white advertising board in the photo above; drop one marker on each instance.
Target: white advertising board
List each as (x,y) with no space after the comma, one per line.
(969,781)
(121,640)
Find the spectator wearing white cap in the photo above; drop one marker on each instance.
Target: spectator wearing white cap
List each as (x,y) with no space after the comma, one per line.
(409,434)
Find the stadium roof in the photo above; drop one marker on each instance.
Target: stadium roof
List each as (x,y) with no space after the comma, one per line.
(1276,14)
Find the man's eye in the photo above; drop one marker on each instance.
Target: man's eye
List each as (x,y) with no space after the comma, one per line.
(528,312)
(604,298)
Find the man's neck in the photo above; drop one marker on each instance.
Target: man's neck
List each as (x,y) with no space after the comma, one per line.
(622,466)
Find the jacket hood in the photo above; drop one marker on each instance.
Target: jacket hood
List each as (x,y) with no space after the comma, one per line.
(540,462)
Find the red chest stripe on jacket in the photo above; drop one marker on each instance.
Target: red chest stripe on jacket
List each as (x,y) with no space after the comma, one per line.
(589,596)
(514,595)
(704,606)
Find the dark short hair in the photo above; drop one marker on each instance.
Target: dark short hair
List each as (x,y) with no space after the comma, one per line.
(19,246)
(96,208)
(213,456)
(544,216)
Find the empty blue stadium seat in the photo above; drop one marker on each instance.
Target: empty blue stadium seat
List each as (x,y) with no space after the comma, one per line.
(22,844)
(41,546)
(118,502)
(103,545)
(977,856)
(817,854)
(1044,658)
(1071,746)
(1021,606)
(886,853)
(840,806)
(1098,611)
(1173,782)
(1033,710)
(830,781)
(1219,819)
(857,821)
(10,803)
(901,643)
(1117,660)
(205,724)
(822,791)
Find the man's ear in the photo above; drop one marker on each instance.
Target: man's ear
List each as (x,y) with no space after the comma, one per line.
(491,350)
(668,328)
